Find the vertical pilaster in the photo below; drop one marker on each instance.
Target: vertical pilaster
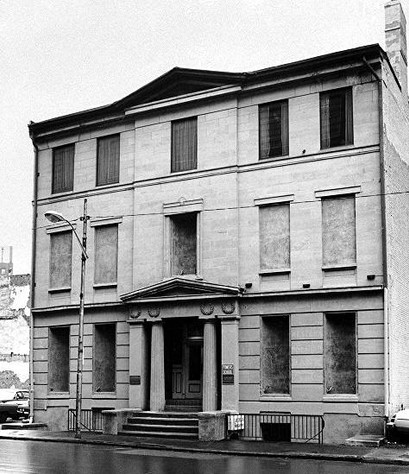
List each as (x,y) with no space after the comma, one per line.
(230,355)
(139,383)
(157,367)
(209,366)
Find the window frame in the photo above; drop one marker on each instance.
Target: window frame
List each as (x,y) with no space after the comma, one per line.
(53,233)
(95,356)
(97,227)
(173,162)
(285,148)
(70,186)
(340,395)
(116,178)
(50,392)
(349,116)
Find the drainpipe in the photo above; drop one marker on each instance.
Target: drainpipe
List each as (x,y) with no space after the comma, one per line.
(384,243)
(32,285)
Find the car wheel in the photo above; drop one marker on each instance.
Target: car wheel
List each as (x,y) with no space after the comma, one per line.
(3,417)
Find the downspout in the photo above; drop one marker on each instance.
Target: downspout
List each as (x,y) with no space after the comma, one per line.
(384,242)
(32,285)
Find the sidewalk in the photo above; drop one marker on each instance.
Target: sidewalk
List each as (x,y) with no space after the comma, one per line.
(384,455)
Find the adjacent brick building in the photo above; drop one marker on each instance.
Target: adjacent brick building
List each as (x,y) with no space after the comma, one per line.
(247,238)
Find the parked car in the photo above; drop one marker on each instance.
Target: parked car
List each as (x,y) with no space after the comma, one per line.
(14,404)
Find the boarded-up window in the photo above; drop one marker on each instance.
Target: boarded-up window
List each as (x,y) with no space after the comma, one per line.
(60,260)
(340,353)
(108,160)
(275,355)
(58,359)
(184,145)
(106,254)
(338,231)
(104,360)
(63,169)
(275,237)
(183,234)
(336,118)
(273,129)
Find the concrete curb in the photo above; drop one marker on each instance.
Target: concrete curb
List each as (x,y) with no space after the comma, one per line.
(369,459)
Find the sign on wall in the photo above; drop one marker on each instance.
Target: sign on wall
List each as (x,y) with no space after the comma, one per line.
(227,374)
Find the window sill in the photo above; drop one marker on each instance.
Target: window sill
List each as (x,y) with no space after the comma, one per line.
(272,158)
(105,285)
(341,397)
(104,395)
(339,147)
(51,395)
(272,397)
(59,290)
(106,185)
(279,271)
(333,268)
(175,173)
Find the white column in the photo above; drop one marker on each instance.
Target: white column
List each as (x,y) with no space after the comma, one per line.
(209,366)
(157,367)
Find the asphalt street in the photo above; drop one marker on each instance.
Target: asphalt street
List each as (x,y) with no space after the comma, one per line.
(37,457)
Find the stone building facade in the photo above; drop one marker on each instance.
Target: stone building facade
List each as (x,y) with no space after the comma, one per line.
(247,239)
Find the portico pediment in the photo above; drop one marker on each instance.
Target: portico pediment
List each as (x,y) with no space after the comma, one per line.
(179,288)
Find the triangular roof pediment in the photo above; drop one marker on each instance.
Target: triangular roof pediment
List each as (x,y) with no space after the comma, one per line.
(180,288)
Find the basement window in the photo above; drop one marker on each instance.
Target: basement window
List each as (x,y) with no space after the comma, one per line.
(104,360)
(336,118)
(183,244)
(340,354)
(58,359)
(275,355)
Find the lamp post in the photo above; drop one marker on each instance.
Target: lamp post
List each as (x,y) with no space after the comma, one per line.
(57,217)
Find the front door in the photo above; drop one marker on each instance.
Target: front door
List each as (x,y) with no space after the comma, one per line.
(187,368)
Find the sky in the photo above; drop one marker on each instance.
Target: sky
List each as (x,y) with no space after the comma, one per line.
(59,57)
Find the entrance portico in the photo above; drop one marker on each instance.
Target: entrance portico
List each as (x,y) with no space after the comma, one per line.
(181,333)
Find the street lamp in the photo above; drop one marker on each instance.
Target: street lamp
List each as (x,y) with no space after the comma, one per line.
(56,217)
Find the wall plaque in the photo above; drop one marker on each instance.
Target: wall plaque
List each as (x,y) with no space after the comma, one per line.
(227,374)
(135,380)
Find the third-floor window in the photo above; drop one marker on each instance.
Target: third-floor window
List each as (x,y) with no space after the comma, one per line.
(108,160)
(336,118)
(273,129)
(184,145)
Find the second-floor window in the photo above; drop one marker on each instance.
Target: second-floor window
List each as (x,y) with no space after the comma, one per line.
(336,118)
(60,260)
(106,254)
(274,227)
(108,160)
(273,129)
(183,244)
(184,145)
(63,169)
(338,231)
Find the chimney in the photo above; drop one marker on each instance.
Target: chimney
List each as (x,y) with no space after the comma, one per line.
(395,36)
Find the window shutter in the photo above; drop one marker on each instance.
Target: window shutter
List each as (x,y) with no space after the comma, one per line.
(184,145)
(339,231)
(106,254)
(60,260)
(275,237)
(324,113)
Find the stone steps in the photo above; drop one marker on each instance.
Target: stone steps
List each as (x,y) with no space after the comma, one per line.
(164,425)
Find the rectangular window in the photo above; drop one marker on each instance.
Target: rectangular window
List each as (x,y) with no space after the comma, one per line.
(340,354)
(338,231)
(275,355)
(60,260)
(274,226)
(106,254)
(184,145)
(104,360)
(183,245)
(108,160)
(273,129)
(63,169)
(59,359)
(336,118)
